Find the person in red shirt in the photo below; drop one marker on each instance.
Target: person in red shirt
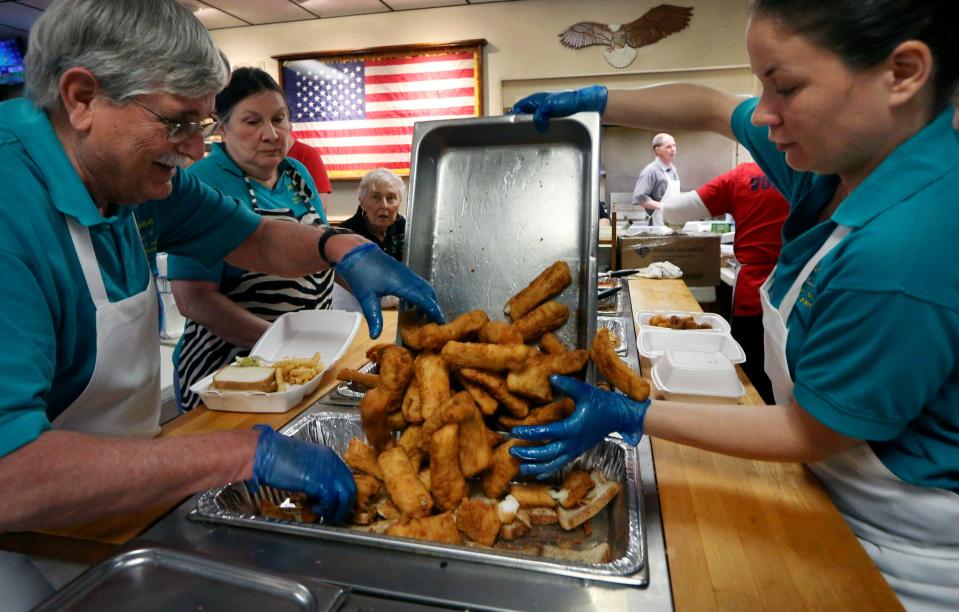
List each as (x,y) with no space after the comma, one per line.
(310,157)
(759,212)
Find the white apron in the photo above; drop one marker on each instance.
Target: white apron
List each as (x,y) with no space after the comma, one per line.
(123,395)
(672,191)
(910,532)
(121,399)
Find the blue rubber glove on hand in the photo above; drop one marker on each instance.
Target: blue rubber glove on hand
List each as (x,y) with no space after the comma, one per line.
(372,274)
(561,104)
(597,414)
(285,463)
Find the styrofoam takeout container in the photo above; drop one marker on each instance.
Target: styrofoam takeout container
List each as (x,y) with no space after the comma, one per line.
(697,376)
(717,322)
(655,341)
(295,334)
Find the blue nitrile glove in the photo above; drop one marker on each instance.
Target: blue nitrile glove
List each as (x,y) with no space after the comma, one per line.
(371,274)
(597,414)
(561,104)
(285,463)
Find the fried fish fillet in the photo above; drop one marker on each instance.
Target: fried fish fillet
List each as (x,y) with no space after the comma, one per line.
(374,411)
(500,332)
(396,369)
(548,283)
(447,483)
(496,386)
(366,489)
(555,411)
(475,450)
(546,318)
(439,528)
(433,376)
(486,402)
(405,489)
(362,458)
(503,468)
(552,345)
(532,495)
(432,336)
(411,407)
(453,411)
(576,486)
(485,356)
(533,380)
(410,442)
(614,370)
(478,520)
(364,379)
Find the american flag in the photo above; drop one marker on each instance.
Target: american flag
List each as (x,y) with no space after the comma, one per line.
(360,113)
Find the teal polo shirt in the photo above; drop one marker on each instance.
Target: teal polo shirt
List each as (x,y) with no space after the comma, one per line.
(47,318)
(873,337)
(219,171)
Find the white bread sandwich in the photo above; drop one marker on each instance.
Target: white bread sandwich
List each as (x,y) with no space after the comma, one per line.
(590,506)
(245,378)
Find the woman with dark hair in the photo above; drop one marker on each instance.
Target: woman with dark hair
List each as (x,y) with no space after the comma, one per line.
(227,308)
(854,127)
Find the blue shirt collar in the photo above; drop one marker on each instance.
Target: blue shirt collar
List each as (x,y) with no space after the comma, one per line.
(32,128)
(907,170)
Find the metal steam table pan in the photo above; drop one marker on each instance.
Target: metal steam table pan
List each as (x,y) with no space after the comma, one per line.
(618,524)
(493,202)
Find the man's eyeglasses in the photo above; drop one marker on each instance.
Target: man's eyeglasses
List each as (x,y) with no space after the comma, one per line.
(181,131)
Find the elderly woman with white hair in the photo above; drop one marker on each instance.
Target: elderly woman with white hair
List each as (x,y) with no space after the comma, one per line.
(119,96)
(377,217)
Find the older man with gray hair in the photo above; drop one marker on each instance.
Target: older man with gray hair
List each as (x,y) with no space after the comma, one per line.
(119,95)
(658,178)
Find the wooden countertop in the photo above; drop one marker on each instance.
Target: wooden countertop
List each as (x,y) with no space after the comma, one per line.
(739,534)
(752,535)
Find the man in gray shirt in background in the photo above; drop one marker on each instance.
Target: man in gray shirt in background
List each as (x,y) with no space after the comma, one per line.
(657,177)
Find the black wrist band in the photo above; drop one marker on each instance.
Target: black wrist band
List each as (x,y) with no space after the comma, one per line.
(327,234)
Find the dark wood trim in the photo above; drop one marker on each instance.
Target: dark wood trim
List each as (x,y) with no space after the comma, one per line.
(390,50)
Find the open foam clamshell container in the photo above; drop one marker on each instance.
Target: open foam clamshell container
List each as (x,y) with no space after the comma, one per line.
(493,202)
(294,334)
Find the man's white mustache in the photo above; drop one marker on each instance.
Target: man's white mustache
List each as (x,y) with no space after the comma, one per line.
(174,159)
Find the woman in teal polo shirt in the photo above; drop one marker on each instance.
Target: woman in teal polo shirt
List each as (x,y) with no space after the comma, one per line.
(227,308)
(861,314)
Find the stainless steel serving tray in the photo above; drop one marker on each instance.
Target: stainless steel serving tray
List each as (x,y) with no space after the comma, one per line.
(618,524)
(493,202)
(163,579)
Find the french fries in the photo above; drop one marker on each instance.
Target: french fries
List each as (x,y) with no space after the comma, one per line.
(297,371)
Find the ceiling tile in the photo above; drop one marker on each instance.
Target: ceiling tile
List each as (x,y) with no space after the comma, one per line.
(18,16)
(212,18)
(342,8)
(6,32)
(403,5)
(40,4)
(261,11)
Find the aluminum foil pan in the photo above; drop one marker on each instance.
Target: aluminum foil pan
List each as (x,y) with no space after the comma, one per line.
(618,524)
(617,327)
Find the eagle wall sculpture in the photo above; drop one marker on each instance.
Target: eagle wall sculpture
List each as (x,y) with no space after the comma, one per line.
(621,41)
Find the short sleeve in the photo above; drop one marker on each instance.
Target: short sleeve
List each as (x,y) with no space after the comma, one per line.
(183,267)
(202,222)
(871,360)
(717,194)
(27,361)
(644,186)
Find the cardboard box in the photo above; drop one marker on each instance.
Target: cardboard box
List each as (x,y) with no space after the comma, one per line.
(697,255)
